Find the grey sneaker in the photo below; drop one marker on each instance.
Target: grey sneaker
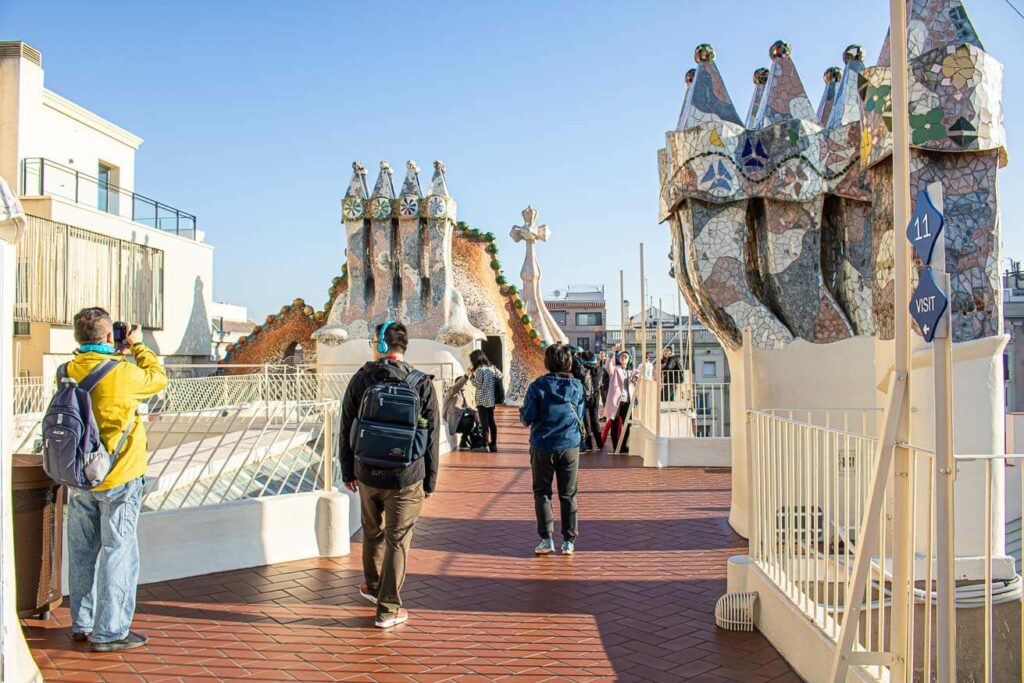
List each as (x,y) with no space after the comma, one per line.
(545,547)
(399,617)
(568,547)
(129,642)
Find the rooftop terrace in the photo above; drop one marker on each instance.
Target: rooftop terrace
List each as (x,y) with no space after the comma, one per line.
(636,602)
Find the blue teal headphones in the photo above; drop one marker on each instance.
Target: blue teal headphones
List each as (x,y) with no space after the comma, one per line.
(382,344)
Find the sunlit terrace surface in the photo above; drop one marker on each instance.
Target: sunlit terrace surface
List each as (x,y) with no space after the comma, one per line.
(635,603)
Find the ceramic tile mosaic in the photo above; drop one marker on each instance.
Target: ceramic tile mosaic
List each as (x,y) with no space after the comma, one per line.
(819,182)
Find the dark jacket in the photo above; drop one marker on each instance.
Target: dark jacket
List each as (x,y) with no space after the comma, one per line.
(669,366)
(425,469)
(581,373)
(553,410)
(595,371)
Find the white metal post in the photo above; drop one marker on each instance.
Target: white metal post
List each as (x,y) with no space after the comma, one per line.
(622,311)
(658,374)
(945,476)
(902,550)
(643,314)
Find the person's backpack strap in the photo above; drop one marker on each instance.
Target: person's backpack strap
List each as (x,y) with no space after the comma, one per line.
(93,378)
(90,381)
(415,378)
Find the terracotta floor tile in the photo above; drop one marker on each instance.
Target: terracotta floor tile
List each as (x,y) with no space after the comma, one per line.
(635,603)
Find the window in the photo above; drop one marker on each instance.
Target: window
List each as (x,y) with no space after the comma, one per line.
(709,368)
(106,188)
(588,319)
(559,317)
(22,329)
(583,343)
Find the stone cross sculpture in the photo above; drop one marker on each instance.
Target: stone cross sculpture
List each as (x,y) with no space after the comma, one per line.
(533,300)
(399,259)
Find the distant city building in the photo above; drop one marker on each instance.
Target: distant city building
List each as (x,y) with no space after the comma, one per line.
(91,239)
(228,324)
(711,366)
(580,311)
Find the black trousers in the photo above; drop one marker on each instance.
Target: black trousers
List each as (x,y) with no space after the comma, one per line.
(563,466)
(618,423)
(592,424)
(487,424)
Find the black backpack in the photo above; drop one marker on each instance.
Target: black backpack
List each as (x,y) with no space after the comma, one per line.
(386,432)
(499,390)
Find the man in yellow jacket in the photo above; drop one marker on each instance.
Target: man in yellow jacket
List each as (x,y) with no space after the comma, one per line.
(102,541)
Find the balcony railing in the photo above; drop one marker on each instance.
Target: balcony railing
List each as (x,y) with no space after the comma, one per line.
(43,177)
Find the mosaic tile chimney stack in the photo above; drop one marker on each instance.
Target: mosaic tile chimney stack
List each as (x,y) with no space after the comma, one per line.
(399,260)
(782,222)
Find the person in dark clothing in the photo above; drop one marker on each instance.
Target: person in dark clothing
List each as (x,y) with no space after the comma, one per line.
(671,374)
(585,378)
(602,360)
(553,410)
(390,498)
(594,442)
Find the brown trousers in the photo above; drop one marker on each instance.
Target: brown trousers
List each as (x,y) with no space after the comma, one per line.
(389,516)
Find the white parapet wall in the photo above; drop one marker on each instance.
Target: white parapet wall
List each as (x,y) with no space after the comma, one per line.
(192,541)
(679,452)
(785,626)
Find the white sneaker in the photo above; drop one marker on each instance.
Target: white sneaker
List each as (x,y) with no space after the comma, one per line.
(399,617)
(545,547)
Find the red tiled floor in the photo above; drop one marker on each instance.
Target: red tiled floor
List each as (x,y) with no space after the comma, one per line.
(635,603)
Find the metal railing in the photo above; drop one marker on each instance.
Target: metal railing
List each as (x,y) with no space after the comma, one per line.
(220,438)
(43,177)
(811,487)
(31,395)
(673,407)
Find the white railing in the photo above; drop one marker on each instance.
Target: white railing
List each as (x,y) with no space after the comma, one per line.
(220,438)
(811,486)
(215,455)
(671,407)
(31,394)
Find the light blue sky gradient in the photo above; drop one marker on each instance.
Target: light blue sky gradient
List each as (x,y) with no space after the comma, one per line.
(253,112)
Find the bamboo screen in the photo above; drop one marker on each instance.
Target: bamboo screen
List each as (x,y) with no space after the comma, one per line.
(63,269)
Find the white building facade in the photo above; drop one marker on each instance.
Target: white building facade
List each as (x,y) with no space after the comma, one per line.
(91,239)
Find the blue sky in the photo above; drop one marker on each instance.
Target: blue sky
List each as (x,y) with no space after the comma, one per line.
(253,112)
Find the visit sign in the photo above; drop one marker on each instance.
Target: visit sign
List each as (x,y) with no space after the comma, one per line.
(928,303)
(925,227)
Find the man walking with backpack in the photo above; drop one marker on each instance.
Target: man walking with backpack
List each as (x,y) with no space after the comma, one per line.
(389,455)
(102,521)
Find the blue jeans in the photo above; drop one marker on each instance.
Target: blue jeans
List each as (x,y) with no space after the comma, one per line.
(104,553)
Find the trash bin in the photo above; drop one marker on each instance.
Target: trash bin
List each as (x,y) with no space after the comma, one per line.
(38,534)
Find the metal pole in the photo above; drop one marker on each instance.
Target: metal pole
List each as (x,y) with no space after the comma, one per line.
(658,374)
(679,324)
(944,469)
(643,317)
(328,449)
(902,542)
(622,311)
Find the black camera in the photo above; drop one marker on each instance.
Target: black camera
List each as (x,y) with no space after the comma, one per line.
(121,332)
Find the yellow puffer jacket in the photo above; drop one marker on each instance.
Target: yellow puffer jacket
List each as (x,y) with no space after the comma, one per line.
(114,400)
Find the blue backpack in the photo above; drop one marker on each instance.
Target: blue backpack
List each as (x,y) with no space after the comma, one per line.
(73,454)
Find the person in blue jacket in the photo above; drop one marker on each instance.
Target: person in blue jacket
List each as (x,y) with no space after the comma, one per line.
(553,410)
